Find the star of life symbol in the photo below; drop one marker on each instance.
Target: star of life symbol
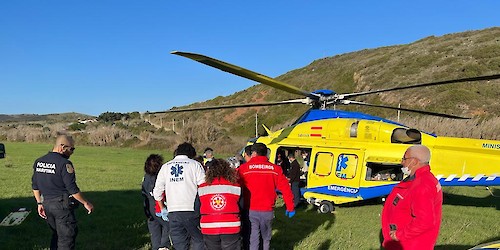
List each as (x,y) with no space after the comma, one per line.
(342,164)
(218,202)
(176,170)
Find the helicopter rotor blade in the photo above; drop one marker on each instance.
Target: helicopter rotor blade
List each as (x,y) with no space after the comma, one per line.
(470,79)
(245,73)
(347,102)
(248,105)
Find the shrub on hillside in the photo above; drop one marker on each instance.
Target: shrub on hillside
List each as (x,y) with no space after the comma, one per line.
(26,133)
(76,126)
(112,116)
(200,131)
(108,136)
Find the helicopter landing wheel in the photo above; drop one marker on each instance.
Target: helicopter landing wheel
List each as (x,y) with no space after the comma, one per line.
(325,207)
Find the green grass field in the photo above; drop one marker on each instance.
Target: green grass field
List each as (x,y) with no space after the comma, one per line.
(111,177)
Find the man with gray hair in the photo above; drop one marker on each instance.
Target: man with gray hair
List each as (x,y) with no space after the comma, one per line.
(411,216)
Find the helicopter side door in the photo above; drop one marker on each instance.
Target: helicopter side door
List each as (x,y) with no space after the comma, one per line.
(334,174)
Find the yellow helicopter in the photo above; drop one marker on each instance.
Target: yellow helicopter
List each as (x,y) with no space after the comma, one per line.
(352,156)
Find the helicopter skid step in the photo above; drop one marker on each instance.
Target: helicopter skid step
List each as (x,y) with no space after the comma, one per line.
(317,199)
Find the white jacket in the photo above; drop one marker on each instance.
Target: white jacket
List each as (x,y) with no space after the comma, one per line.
(179,179)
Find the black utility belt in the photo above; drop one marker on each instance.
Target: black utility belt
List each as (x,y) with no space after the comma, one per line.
(57,198)
(68,201)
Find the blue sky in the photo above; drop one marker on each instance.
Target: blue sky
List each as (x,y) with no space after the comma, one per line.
(96,56)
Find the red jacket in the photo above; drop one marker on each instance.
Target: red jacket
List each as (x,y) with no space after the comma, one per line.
(219,207)
(259,179)
(414,207)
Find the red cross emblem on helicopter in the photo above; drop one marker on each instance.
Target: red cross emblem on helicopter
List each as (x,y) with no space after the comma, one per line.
(218,202)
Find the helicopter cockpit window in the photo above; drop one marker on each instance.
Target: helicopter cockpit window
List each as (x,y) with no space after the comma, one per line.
(346,166)
(406,136)
(323,163)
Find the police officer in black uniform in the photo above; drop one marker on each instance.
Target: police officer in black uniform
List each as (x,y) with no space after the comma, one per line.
(56,193)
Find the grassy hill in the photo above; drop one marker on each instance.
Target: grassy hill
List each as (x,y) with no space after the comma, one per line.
(458,55)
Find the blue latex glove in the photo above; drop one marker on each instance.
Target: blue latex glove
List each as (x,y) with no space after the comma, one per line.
(290,214)
(164,214)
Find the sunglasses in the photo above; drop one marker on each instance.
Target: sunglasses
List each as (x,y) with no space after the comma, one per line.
(70,148)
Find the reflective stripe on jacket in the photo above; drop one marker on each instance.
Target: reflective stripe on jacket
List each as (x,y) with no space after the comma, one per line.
(219,207)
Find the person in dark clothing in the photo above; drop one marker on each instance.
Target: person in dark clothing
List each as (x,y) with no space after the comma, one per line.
(247,153)
(200,159)
(158,228)
(283,162)
(57,194)
(294,178)
(208,156)
(245,220)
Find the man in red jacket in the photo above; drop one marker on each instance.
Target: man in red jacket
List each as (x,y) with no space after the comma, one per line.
(411,216)
(259,179)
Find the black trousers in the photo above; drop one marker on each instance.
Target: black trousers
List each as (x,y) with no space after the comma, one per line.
(222,241)
(62,222)
(185,230)
(296,193)
(245,229)
(159,230)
